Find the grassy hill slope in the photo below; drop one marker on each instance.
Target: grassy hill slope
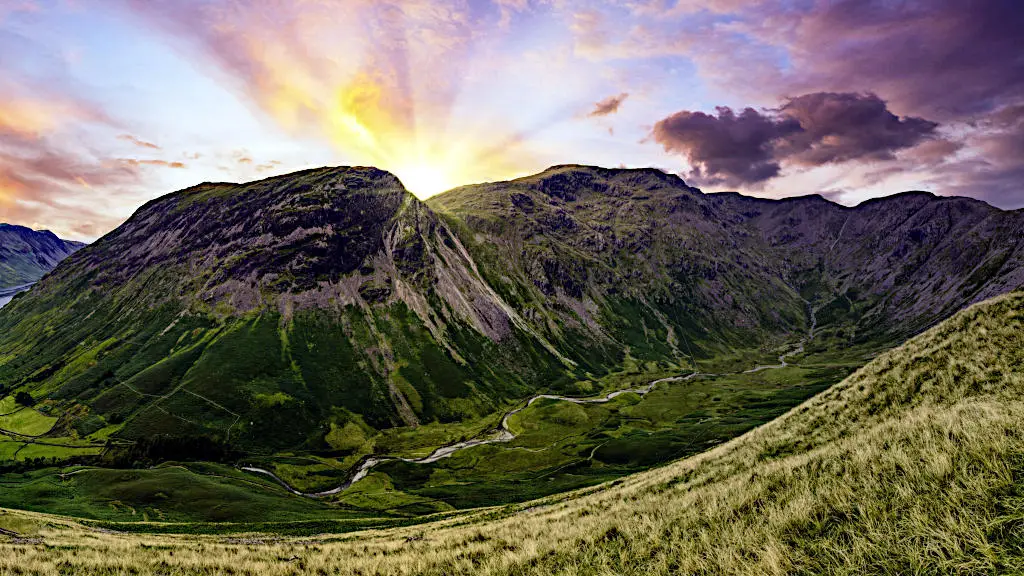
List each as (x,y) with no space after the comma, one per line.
(914,464)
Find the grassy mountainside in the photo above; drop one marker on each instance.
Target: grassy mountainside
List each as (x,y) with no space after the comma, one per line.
(911,465)
(26,254)
(594,240)
(269,315)
(647,262)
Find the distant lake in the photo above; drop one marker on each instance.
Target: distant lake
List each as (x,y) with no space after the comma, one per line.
(7,294)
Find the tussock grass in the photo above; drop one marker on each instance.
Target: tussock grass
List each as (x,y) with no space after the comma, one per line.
(913,465)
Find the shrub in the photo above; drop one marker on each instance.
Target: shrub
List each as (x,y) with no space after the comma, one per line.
(24,398)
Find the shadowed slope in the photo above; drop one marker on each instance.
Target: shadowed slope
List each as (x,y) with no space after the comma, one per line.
(270,314)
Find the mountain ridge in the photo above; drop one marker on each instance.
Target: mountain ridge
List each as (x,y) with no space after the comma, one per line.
(276,314)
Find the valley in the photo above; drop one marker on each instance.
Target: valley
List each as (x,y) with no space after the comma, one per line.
(324,348)
(26,255)
(504,434)
(913,460)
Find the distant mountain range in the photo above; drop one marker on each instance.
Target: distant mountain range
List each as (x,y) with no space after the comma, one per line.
(274,315)
(26,254)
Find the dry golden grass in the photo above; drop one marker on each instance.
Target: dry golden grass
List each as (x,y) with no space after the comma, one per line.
(912,465)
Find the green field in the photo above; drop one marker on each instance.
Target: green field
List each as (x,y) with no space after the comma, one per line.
(26,421)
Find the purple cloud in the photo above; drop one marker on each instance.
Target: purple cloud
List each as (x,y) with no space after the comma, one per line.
(952,61)
(809,130)
(843,127)
(726,148)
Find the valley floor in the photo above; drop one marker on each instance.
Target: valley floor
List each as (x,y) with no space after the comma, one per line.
(547,445)
(914,464)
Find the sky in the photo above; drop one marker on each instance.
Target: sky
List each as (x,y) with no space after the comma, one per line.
(106,104)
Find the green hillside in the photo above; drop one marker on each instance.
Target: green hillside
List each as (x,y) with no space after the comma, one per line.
(913,464)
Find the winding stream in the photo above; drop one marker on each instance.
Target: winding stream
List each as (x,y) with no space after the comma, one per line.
(504,434)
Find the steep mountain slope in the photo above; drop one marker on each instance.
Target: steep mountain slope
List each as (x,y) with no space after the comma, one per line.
(26,254)
(634,260)
(897,264)
(308,312)
(911,465)
(271,314)
(877,272)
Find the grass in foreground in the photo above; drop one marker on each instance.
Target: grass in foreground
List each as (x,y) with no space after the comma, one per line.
(914,464)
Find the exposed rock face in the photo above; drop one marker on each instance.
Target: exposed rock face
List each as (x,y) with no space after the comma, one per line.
(270,313)
(910,259)
(266,312)
(26,254)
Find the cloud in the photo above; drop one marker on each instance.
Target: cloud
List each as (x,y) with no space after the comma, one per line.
(36,151)
(138,142)
(269,165)
(134,162)
(33,115)
(283,57)
(386,82)
(726,147)
(608,106)
(990,166)
(843,127)
(808,131)
(946,59)
(45,183)
(942,59)
(950,61)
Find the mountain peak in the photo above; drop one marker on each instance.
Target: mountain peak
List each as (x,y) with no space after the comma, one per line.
(27,254)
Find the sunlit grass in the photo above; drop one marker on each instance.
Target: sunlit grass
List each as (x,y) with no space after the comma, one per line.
(28,422)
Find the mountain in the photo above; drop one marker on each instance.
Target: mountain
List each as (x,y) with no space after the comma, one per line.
(581,240)
(912,464)
(271,313)
(26,254)
(902,262)
(314,311)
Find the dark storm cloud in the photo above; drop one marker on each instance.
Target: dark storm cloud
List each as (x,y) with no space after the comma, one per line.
(944,59)
(958,62)
(809,130)
(842,127)
(726,147)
